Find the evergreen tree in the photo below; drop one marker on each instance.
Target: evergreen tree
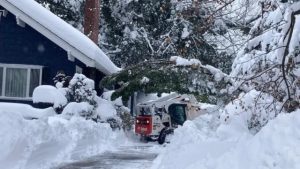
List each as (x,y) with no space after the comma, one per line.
(205,82)
(69,10)
(136,31)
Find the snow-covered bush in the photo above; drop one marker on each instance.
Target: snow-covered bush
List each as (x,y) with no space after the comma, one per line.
(81,89)
(78,98)
(61,80)
(49,94)
(254,109)
(119,114)
(83,109)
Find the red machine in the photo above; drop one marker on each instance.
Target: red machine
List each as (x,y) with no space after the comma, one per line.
(156,119)
(143,125)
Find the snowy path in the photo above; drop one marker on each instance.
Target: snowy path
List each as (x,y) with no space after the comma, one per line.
(126,157)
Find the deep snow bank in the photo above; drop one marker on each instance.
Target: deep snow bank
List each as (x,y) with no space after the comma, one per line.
(49,141)
(201,144)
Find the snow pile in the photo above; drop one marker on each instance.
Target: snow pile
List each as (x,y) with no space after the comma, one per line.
(106,109)
(77,109)
(47,142)
(49,94)
(197,146)
(26,111)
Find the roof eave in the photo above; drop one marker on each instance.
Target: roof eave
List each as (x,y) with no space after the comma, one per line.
(49,34)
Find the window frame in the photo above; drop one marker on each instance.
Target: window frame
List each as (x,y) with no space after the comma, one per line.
(19,66)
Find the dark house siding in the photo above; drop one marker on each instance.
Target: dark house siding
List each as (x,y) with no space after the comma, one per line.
(20,45)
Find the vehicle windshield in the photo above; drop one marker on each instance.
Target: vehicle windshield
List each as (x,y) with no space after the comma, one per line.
(177,113)
(144,111)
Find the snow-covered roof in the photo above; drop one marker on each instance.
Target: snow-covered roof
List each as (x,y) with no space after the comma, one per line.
(63,34)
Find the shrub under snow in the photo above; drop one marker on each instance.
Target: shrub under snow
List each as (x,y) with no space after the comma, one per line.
(78,98)
(253,108)
(81,89)
(49,94)
(82,109)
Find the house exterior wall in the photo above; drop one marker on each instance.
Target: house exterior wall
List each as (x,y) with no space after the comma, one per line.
(24,45)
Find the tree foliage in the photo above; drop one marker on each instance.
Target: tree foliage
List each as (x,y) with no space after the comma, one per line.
(135,31)
(69,10)
(270,60)
(165,77)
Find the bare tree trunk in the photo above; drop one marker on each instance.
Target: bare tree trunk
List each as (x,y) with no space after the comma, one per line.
(286,51)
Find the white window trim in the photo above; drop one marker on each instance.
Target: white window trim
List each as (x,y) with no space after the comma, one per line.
(19,66)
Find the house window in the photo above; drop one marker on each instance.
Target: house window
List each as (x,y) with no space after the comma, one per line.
(19,81)
(35,75)
(15,82)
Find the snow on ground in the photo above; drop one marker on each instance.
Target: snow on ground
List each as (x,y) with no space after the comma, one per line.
(206,143)
(137,156)
(50,140)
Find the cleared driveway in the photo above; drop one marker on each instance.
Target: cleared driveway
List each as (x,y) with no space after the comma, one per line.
(127,157)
